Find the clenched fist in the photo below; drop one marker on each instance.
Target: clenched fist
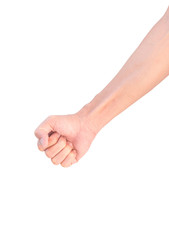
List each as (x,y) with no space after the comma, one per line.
(64,138)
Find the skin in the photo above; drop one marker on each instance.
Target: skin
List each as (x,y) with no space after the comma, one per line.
(66,138)
(70,138)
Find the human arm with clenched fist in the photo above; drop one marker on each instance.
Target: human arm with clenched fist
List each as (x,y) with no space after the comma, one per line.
(66,138)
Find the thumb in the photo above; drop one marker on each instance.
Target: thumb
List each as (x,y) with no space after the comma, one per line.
(44,141)
(42,135)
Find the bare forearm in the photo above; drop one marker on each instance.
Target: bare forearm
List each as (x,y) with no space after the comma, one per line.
(146,68)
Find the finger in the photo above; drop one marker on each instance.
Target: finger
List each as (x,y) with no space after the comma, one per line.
(41,133)
(70,159)
(55,149)
(51,141)
(62,154)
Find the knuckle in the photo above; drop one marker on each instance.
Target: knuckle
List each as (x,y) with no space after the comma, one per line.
(55,135)
(72,154)
(68,149)
(63,165)
(62,141)
(69,145)
(54,161)
(76,160)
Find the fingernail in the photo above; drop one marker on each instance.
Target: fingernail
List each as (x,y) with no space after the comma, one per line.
(41,141)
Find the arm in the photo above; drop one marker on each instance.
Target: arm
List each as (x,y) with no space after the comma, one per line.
(146,68)
(66,138)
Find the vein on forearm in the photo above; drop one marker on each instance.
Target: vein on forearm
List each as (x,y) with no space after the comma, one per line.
(146,67)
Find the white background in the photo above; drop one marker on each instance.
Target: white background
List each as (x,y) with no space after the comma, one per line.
(55,56)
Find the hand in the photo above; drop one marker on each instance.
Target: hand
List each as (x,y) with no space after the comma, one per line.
(64,138)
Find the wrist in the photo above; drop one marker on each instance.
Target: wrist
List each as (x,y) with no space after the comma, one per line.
(88,119)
